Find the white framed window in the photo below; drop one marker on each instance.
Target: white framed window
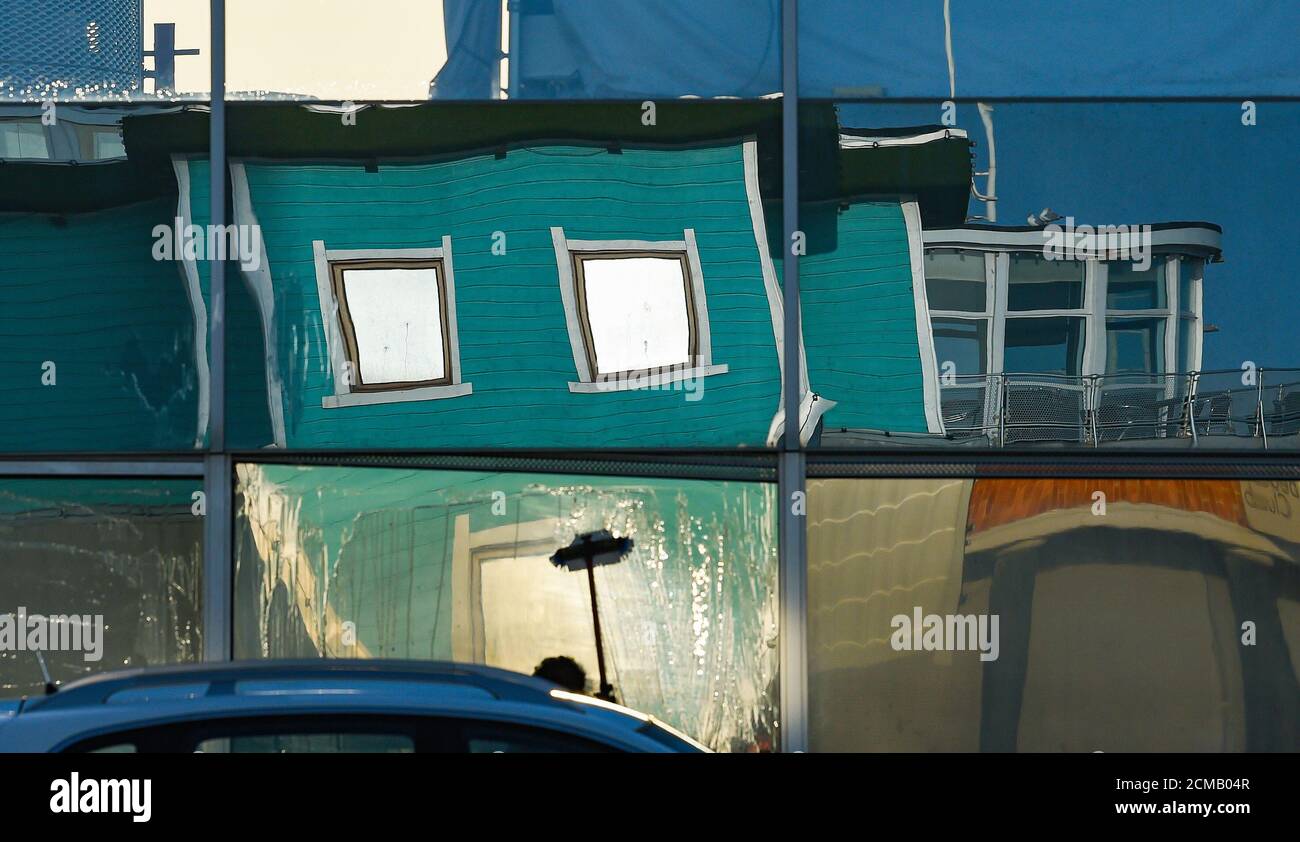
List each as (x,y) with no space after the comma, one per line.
(1045,324)
(1050,327)
(1186,275)
(636,312)
(390,324)
(1015,312)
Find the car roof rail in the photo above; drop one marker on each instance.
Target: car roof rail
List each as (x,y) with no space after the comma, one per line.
(222,677)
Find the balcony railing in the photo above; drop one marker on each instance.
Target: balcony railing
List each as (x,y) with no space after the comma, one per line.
(1098,409)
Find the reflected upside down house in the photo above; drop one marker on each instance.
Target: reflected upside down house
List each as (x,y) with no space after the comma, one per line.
(565,276)
(470,282)
(927,327)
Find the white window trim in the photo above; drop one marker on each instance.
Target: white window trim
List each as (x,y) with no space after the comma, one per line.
(812,406)
(631,381)
(329,308)
(263,288)
(1197,337)
(924,327)
(1094,312)
(198,307)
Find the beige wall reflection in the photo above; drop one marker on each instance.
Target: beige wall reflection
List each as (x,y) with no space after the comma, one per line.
(1119,631)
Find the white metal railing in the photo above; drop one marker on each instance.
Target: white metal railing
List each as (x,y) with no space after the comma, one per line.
(1014,408)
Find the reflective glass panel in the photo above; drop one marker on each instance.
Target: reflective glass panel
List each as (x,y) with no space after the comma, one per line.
(393,563)
(97,575)
(1005,615)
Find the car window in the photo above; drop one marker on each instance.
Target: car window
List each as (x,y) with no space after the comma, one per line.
(348,733)
(333,734)
(494,738)
(321,743)
(116,748)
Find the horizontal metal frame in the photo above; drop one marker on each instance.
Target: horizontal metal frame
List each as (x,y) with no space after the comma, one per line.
(757,465)
(752,466)
(1097,464)
(118,467)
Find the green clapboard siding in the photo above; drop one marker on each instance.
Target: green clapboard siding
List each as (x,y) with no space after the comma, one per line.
(514,343)
(84,292)
(860,323)
(248,422)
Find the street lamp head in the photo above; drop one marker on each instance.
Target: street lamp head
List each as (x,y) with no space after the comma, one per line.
(598,548)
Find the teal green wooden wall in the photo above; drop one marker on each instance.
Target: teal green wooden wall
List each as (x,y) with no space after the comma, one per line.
(859,321)
(84,292)
(248,422)
(514,343)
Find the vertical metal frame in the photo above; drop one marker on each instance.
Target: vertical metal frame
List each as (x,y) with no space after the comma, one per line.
(1172,301)
(792,518)
(218,561)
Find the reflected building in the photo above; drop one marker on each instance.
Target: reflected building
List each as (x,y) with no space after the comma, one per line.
(446,565)
(126,551)
(104,346)
(541,277)
(925,328)
(1169,622)
(403,277)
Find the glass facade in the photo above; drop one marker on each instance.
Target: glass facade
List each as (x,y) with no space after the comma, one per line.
(1053,615)
(968,284)
(456,566)
(327,354)
(98,575)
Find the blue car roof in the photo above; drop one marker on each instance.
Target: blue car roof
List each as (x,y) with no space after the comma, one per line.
(222,677)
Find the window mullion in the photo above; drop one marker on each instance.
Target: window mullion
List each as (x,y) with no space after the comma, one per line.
(1097,277)
(998,268)
(1172,295)
(1198,292)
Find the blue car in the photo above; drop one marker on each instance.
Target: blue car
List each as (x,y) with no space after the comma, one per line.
(327,706)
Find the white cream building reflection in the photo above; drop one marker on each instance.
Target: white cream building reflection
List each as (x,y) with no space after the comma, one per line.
(1120,631)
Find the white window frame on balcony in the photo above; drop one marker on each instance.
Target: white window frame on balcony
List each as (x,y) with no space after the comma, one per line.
(588,382)
(1189,312)
(1094,310)
(331,315)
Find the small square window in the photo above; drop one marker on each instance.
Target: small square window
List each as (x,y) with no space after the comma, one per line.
(637,311)
(393,317)
(963,343)
(954,280)
(390,324)
(1132,289)
(1044,346)
(1039,284)
(100,143)
(1135,346)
